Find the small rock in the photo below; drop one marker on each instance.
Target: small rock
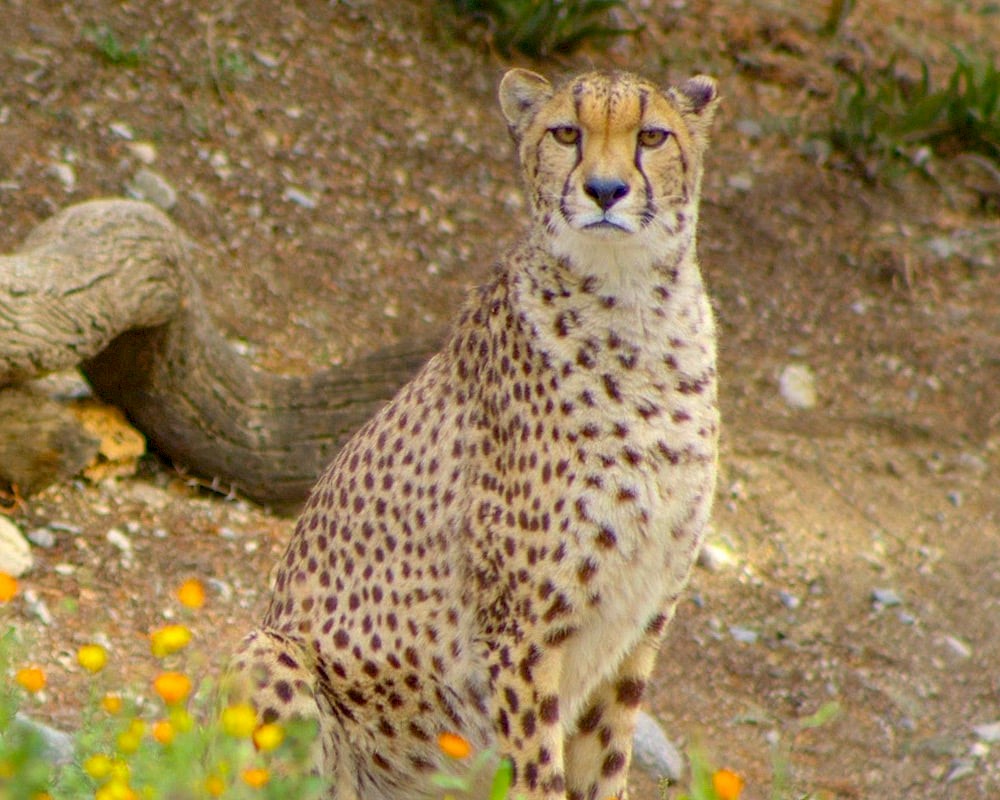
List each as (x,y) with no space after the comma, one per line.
(741,181)
(988,732)
(744,635)
(654,752)
(153,188)
(299,197)
(123,543)
(886,598)
(797,386)
(36,607)
(42,537)
(962,768)
(65,174)
(15,552)
(144,151)
(789,600)
(715,557)
(955,498)
(59,746)
(957,646)
(122,130)
(749,128)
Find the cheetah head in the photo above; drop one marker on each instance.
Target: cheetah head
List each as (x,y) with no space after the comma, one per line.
(610,159)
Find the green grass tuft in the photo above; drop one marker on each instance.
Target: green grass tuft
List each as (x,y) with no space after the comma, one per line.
(886,116)
(542,28)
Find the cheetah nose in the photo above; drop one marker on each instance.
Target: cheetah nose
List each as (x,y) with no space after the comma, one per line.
(605,191)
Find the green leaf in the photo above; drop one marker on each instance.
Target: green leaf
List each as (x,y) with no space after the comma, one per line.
(502,780)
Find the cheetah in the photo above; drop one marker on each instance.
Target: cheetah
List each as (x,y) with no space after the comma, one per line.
(497,553)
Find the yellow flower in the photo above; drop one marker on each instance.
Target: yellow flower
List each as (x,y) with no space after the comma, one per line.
(191,593)
(98,766)
(727,784)
(454,746)
(130,739)
(31,678)
(214,785)
(268,736)
(164,732)
(169,639)
(8,587)
(112,703)
(172,687)
(92,657)
(239,721)
(256,777)
(116,790)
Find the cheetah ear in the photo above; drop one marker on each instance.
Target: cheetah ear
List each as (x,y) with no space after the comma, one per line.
(697,98)
(521,93)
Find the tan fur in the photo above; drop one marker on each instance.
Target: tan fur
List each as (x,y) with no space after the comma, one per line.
(498,552)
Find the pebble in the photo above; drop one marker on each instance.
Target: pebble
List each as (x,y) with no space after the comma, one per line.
(153,188)
(886,598)
(144,151)
(744,635)
(65,174)
(15,552)
(715,557)
(797,385)
(122,543)
(749,128)
(789,600)
(961,768)
(42,537)
(957,646)
(122,130)
(299,197)
(654,752)
(741,181)
(988,732)
(36,607)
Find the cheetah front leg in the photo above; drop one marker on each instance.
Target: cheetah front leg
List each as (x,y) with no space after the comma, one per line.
(598,752)
(527,719)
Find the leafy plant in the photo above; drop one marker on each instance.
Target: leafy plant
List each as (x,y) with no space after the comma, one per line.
(890,116)
(110,46)
(540,28)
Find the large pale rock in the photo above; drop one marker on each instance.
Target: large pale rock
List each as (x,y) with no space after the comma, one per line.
(15,552)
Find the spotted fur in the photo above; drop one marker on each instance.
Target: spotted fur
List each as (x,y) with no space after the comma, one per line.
(497,553)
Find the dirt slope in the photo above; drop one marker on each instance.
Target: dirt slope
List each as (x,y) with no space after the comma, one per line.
(345,169)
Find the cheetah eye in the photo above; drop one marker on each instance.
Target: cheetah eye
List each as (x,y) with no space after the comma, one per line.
(565,134)
(653,137)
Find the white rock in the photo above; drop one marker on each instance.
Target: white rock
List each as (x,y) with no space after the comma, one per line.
(301,198)
(122,130)
(65,174)
(716,557)
(15,552)
(988,732)
(37,607)
(653,751)
(59,746)
(144,151)
(957,646)
(743,635)
(797,386)
(153,188)
(42,537)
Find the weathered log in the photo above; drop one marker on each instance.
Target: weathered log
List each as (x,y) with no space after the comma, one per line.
(109,284)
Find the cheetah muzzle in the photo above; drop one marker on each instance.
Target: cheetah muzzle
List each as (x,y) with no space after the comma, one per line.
(497,553)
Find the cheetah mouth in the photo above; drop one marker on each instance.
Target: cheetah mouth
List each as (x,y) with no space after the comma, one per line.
(607,225)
